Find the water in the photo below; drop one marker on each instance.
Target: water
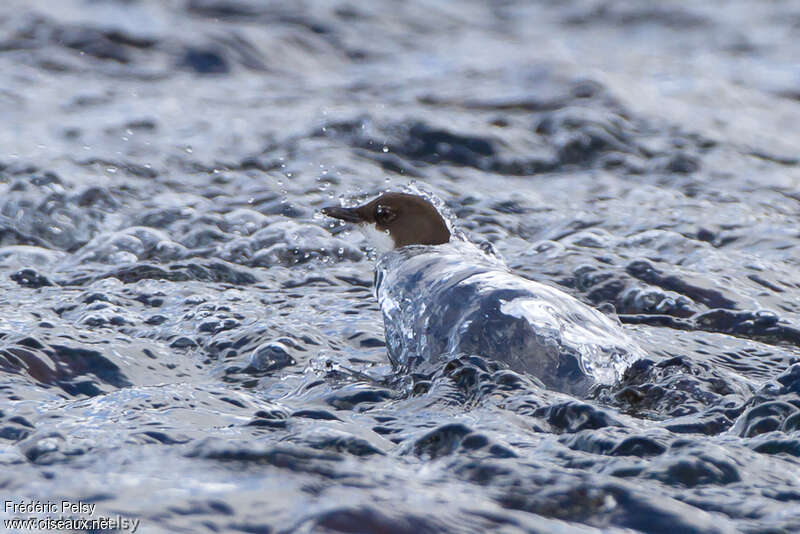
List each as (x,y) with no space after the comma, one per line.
(185,341)
(455,299)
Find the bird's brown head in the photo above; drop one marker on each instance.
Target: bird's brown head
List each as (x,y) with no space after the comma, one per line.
(408,219)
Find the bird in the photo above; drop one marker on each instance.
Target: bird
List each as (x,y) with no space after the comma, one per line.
(442,296)
(407,219)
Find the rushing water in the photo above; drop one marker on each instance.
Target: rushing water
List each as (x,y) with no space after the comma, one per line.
(455,299)
(184,340)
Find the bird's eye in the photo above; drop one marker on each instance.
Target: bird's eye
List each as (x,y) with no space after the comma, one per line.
(384,214)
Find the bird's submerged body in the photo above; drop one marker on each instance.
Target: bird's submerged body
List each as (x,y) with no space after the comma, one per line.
(453,299)
(442,296)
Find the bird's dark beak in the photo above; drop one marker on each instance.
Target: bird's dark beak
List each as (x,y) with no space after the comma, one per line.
(345,214)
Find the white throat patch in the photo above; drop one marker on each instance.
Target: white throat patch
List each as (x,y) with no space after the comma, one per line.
(380,241)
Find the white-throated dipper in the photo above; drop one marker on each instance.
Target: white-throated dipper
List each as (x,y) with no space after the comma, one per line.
(407,219)
(441,296)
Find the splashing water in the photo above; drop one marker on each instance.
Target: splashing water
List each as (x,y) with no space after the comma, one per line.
(183,341)
(454,299)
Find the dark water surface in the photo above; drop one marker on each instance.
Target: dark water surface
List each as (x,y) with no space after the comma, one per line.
(183,341)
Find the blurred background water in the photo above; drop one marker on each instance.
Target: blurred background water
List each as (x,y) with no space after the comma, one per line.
(183,340)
